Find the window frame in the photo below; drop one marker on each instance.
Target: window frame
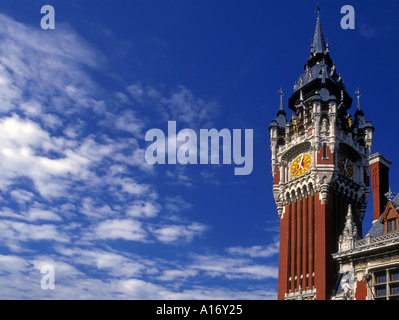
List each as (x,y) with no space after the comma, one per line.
(385,284)
(392,225)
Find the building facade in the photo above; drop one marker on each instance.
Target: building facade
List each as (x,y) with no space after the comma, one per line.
(322,168)
(369,267)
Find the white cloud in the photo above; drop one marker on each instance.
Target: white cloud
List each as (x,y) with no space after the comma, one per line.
(74,181)
(22,196)
(143,209)
(53,60)
(12,233)
(136,90)
(256,251)
(178,175)
(125,229)
(113,263)
(175,274)
(125,121)
(220,293)
(41,214)
(233,268)
(130,186)
(71,283)
(137,158)
(12,264)
(179,105)
(183,107)
(91,208)
(177,233)
(28,150)
(176,204)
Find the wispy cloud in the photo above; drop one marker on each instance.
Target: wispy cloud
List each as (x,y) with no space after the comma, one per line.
(179,105)
(256,251)
(76,192)
(178,233)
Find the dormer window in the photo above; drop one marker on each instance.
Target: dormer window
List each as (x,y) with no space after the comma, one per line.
(390,218)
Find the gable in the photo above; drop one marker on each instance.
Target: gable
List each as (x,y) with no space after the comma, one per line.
(390,218)
(390,212)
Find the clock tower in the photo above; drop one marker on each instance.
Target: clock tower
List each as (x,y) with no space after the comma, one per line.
(319,160)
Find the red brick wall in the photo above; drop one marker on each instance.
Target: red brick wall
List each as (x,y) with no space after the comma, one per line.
(361,290)
(379,186)
(320,249)
(329,156)
(308,235)
(276,177)
(296,256)
(284,253)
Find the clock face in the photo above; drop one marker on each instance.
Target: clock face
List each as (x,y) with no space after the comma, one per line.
(345,166)
(300,165)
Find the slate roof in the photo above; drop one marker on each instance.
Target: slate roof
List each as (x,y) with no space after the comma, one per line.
(395,201)
(378,228)
(318,44)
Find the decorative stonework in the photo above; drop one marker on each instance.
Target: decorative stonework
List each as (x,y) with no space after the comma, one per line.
(301,295)
(349,235)
(369,243)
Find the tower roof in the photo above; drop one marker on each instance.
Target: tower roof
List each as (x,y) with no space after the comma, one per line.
(281,119)
(318,44)
(320,77)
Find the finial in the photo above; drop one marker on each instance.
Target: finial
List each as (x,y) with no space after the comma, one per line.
(281,92)
(358,94)
(390,195)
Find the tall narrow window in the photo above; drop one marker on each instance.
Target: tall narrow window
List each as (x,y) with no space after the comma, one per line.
(325,151)
(392,225)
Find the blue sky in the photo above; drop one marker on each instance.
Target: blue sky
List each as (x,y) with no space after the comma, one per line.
(75,103)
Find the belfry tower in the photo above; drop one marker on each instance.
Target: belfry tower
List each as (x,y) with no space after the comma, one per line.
(319,159)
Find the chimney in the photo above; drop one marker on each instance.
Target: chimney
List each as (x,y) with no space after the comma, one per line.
(379,167)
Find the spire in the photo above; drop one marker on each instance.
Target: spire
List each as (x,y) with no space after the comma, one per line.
(359,112)
(318,44)
(281,108)
(319,73)
(281,92)
(358,94)
(281,115)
